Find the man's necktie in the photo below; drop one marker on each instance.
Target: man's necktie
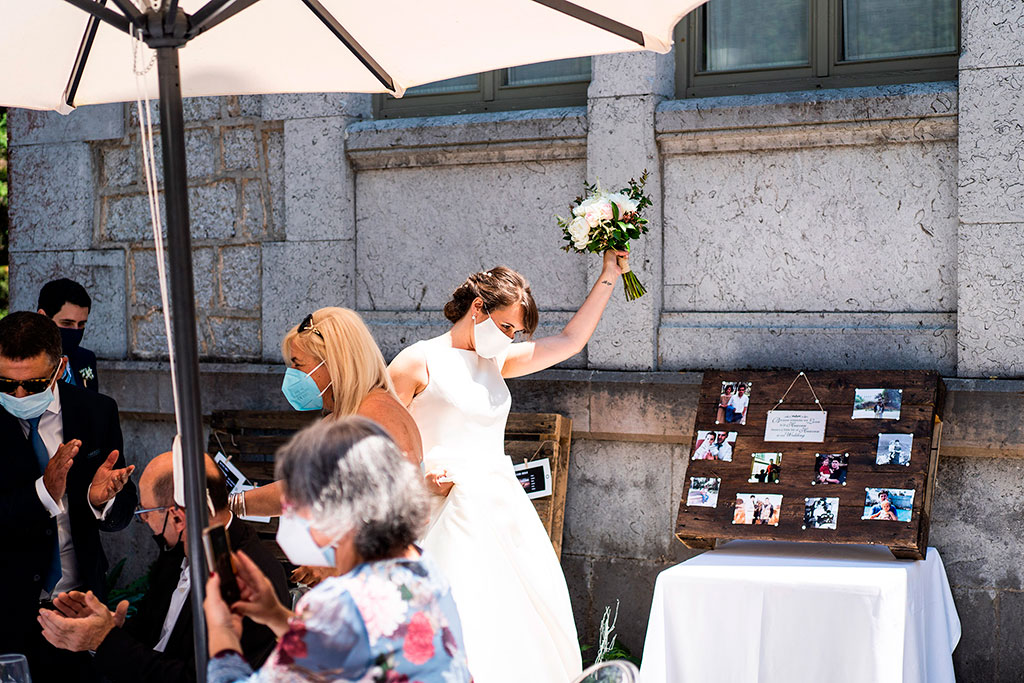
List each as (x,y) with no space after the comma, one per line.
(53,573)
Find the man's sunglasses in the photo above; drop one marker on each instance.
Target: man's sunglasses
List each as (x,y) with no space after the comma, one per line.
(31,386)
(307,326)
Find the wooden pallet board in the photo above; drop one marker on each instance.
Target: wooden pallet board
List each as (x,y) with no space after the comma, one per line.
(251,438)
(920,415)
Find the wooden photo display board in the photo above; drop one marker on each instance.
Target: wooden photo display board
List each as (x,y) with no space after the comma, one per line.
(806,468)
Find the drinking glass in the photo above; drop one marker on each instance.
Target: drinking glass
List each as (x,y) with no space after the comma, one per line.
(14,669)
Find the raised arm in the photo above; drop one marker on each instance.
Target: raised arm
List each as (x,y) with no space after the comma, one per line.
(533,356)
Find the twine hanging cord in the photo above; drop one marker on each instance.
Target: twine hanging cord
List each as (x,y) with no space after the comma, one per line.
(795,380)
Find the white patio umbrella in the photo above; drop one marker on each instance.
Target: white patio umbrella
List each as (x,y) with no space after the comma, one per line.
(60,58)
(60,54)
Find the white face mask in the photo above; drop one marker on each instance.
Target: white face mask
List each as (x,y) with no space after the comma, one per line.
(488,339)
(298,545)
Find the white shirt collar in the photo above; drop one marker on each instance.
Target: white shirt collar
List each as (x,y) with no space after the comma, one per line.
(54,406)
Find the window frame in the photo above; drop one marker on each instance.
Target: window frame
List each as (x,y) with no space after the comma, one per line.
(490,95)
(825,70)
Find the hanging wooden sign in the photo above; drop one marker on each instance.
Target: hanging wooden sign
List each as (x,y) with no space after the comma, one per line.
(836,457)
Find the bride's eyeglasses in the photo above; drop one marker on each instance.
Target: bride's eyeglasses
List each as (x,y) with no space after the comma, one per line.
(307,326)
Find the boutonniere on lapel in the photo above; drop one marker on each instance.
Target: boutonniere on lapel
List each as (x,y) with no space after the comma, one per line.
(87,374)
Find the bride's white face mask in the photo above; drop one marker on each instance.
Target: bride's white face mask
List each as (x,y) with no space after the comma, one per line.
(488,339)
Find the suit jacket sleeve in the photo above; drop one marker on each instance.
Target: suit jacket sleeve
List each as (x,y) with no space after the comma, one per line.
(120,514)
(20,508)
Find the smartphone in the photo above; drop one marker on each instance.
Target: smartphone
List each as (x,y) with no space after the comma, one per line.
(218,558)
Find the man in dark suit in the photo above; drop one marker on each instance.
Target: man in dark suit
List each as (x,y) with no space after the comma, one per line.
(64,480)
(67,304)
(156,644)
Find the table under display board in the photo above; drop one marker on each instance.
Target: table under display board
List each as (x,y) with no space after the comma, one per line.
(782,612)
(820,457)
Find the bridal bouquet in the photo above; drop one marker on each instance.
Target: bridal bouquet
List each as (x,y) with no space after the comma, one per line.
(608,220)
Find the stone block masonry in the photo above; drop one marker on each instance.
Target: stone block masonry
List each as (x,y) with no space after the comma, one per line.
(236,195)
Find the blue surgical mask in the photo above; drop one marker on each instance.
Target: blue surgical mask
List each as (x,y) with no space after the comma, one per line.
(301,390)
(298,545)
(27,407)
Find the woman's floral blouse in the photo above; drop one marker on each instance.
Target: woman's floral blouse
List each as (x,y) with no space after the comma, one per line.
(392,621)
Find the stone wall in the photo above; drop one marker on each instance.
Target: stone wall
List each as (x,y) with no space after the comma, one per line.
(857,228)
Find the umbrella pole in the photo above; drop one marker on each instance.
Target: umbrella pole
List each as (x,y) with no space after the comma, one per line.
(183,332)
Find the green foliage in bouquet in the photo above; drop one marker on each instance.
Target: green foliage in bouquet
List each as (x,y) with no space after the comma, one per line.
(601,220)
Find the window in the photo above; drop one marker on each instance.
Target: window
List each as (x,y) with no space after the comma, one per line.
(749,46)
(561,83)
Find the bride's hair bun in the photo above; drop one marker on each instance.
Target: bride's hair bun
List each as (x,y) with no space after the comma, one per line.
(499,287)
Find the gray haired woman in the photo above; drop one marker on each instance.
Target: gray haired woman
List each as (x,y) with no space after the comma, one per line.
(351,501)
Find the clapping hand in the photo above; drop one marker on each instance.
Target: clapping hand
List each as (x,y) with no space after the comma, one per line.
(107,481)
(74,606)
(82,622)
(55,475)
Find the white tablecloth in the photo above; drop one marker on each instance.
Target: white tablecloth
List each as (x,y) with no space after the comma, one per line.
(773,612)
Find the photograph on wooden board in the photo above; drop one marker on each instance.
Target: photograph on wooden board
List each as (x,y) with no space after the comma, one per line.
(893,505)
(766,468)
(714,446)
(733,403)
(820,513)
(877,404)
(894,449)
(830,468)
(703,492)
(763,508)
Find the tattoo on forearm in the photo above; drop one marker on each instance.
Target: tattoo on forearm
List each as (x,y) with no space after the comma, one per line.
(606,282)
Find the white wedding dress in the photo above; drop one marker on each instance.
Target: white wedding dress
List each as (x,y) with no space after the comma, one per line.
(517,621)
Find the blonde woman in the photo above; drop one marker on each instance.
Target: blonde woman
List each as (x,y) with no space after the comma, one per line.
(485,534)
(334,366)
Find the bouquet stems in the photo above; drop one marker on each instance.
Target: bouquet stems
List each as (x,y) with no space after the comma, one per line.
(634,290)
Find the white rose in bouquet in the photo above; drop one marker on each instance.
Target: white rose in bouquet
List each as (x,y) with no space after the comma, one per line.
(579,230)
(595,209)
(624,203)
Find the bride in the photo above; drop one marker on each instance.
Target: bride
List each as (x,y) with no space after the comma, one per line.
(484,533)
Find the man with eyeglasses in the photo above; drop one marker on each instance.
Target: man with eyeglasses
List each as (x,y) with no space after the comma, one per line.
(64,480)
(156,645)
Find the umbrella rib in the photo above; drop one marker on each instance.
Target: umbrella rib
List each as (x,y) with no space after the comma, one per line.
(211,14)
(129,10)
(170,16)
(103,14)
(351,43)
(595,19)
(83,55)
